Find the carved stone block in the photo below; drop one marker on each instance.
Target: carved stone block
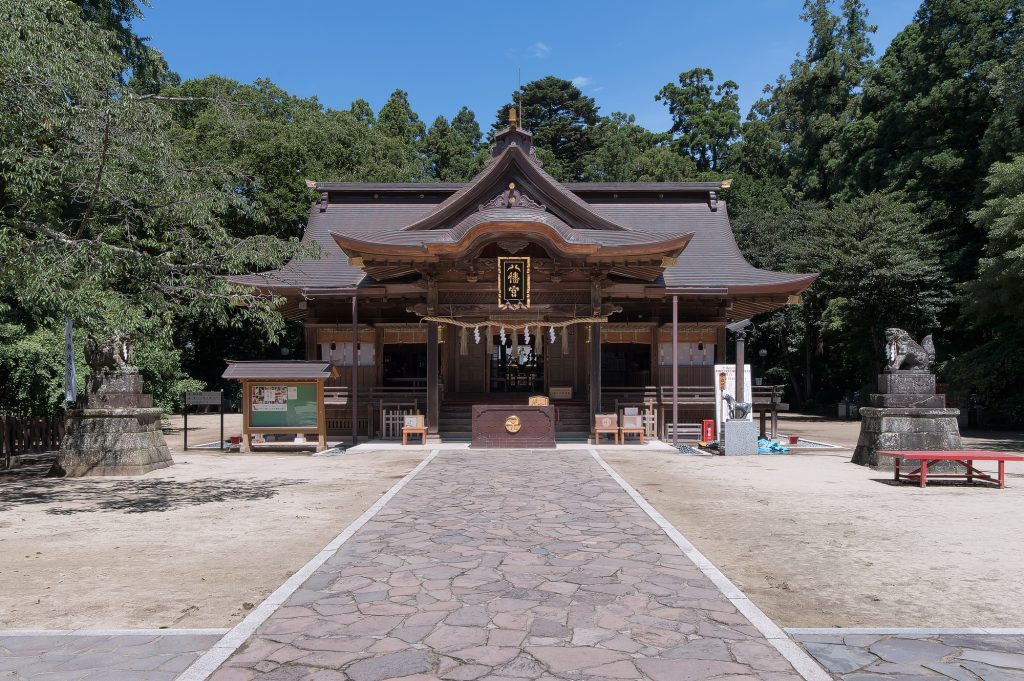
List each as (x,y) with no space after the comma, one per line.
(906,383)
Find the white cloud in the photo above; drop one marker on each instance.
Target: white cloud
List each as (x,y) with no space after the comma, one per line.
(581,81)
(539,50)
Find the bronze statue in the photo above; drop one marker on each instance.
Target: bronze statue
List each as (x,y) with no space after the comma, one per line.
(901,351)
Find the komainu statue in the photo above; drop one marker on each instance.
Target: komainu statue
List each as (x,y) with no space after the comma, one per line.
(114,354)
(902,352)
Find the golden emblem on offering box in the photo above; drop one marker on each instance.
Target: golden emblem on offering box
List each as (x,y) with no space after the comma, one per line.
(513,424)
(513,283)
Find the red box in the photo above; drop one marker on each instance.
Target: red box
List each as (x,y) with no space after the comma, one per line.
(708,430)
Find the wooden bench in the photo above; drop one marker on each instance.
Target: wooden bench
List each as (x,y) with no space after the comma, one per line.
(965,458)
(413,430)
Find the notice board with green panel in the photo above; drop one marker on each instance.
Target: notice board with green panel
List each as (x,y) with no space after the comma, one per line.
(280,404)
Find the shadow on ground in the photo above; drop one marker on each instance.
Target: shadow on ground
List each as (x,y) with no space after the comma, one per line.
(28,485)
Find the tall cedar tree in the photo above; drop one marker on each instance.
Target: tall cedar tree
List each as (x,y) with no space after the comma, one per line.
(560,117)
(705,119)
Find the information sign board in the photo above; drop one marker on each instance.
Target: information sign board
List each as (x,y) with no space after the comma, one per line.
(725,382)
(205,397)
(282,405)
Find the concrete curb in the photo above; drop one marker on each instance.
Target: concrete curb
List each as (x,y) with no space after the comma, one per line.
(5,633)
(207,664)
(797,656)
(906,631)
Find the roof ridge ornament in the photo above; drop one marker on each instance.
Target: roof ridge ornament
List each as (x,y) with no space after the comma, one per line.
(512,197)
(514,136)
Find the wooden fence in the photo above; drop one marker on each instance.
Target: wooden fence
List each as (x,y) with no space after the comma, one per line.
(28,435)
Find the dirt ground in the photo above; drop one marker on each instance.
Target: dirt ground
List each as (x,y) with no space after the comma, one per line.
(816,541)
(194,545)
(813,539)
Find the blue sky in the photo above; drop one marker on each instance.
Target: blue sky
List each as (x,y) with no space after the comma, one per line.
(450,54)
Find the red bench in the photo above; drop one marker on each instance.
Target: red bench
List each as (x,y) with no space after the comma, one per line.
(965,458)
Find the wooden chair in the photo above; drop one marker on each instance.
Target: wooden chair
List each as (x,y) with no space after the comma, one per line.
(414,430)
(606,424)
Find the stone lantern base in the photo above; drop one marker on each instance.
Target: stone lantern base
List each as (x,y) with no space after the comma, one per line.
(906,414)
(114,431)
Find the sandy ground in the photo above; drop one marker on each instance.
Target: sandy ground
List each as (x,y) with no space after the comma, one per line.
(193,545)
(816,541)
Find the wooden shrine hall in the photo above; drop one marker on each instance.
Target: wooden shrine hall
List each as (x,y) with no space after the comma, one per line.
(428,298)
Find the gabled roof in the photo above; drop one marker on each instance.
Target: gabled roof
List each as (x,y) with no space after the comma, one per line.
(277,370)
(421,222)
(515,180)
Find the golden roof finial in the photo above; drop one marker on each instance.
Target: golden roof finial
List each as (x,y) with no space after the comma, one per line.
(512,123)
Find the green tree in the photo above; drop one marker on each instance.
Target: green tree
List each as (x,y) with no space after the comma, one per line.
(809,112)
(878,268)
(705,119)
(627,152)
(397,142)
(926,112)
(143,68)
(994,302)
(101,218)
(453,150)
(560,117)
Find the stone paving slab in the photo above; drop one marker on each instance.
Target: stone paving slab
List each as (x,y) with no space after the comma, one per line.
(501,565)
(886,656)
(99,657)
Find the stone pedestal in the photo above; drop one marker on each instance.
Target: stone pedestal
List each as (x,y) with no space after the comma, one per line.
(740,438)
(906,414)
(115,430)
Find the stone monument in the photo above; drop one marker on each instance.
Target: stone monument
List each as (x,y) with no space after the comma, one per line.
(114,429)
(906,413)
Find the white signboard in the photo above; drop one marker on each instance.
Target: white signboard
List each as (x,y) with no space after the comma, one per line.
(725,382)
(272,397)
(206,397)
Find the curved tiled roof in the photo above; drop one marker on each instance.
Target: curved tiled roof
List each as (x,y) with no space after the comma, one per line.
(606,214)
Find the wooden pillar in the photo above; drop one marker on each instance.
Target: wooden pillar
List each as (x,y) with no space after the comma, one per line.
(433,407)
(246,407)
(675,370)
(321,417)
(355,371)
(595,371)
(311,342)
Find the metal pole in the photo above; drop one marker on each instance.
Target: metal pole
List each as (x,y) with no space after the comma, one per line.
(355,371)
(741,383)
(675,370)
(222,419)
(184,409)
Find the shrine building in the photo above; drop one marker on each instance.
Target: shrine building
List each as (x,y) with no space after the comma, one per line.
(431,297)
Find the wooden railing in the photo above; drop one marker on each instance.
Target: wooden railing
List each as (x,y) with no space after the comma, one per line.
(19,435)
(374,403)
(764,396)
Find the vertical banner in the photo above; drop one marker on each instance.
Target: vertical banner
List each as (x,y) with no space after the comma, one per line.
(513,283)
(70,391)
(725,382)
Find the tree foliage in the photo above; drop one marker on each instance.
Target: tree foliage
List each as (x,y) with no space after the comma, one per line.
(705,119)
(126,195)
(561,119)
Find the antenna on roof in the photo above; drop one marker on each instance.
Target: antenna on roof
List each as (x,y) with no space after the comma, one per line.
(519,92)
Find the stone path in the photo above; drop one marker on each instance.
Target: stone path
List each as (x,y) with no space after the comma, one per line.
(101,656)
(508,565)
(865,656)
